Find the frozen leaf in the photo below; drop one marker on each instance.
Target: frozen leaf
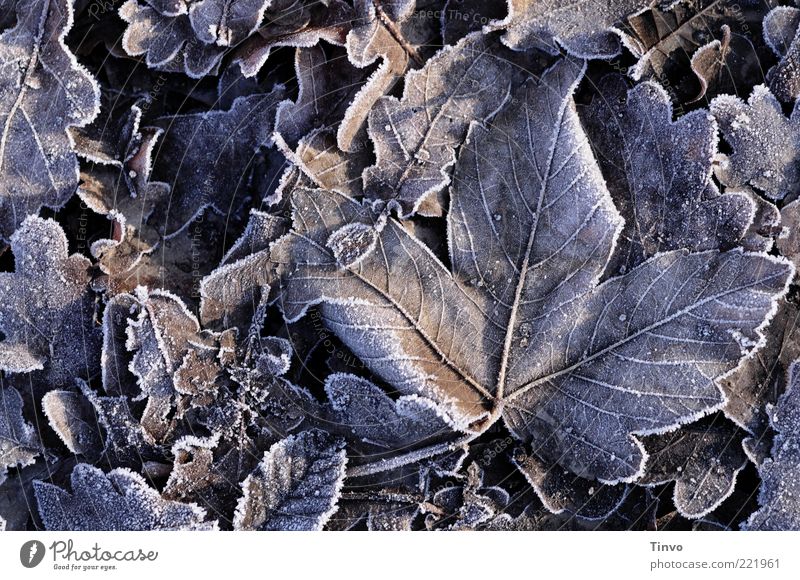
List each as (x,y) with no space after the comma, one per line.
(561,491)
(760,379)
(764,143)
(416,137)
(204,473)
(125,441)
(233,293)
(193,471)
(386,326)
(176,37)
(788,241)
(659,174)
(43,91)
(389,32)
(710,317)
(766,226)
(224,144)
(171,355)
(17,497)
(154,376)
(175,363)
(394,518)
(120,151)
(370,415)
(725,65)
(299,23)
(295,487)
(19,445)
(46,309)
(327,84)
(780,474)
(780,31)
(118,185)
(702,35)
(382,510)
(120,500)
(115,357)
(138,256)
(72,417)
(470,506)
(232,84)
(226,22)
(638,512)
(460,17)
(262,229)
(703,461)
(780,26)
(519,328)
(584,28)
(320,159)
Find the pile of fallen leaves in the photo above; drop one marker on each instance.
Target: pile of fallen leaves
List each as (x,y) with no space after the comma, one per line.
(398,264)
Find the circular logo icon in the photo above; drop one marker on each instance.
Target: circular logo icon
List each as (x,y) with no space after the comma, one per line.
(31,553)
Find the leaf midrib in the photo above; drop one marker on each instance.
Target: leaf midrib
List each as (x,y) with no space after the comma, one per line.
(523,271)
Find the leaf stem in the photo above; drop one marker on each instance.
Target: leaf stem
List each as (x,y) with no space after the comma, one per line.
(408,458)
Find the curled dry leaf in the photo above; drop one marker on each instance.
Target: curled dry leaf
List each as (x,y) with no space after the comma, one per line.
(716,39)
(726,65)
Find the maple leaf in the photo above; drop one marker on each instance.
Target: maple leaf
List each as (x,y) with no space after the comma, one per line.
(519,328)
